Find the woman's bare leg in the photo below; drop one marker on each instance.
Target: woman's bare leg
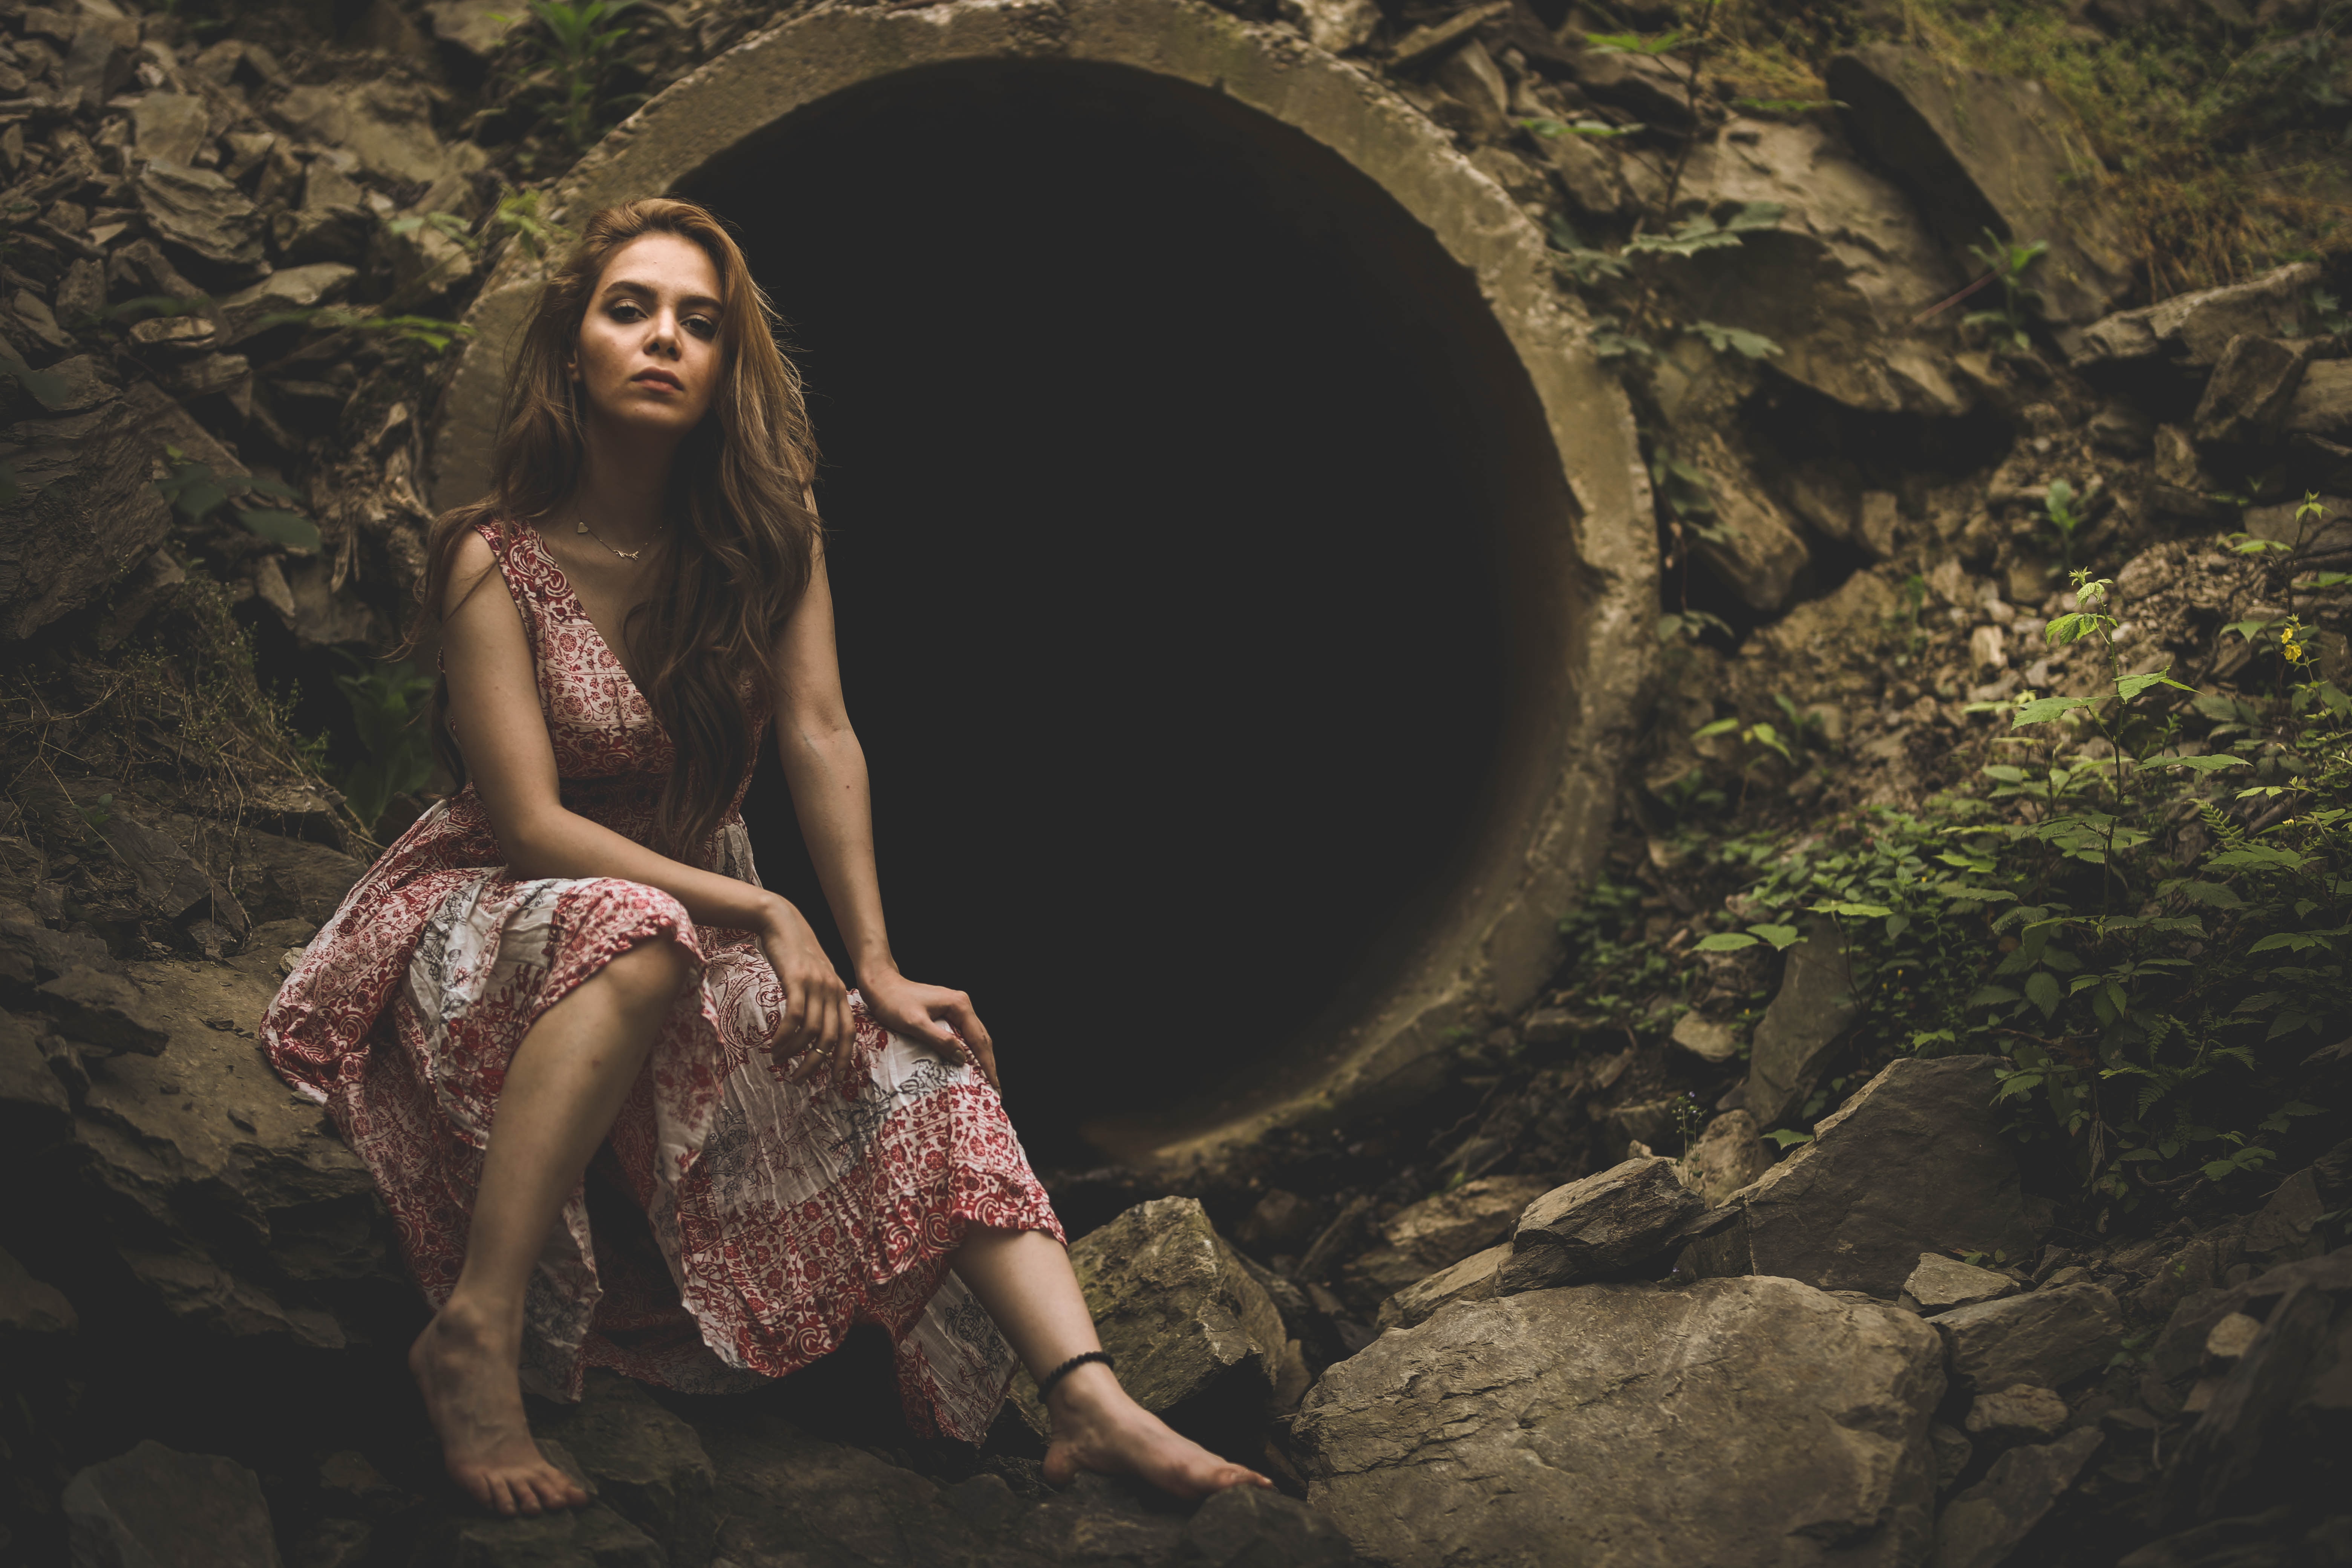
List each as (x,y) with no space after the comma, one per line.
(1023,1278)
(563,1087)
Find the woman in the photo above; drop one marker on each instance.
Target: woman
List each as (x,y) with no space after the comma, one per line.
(573,957)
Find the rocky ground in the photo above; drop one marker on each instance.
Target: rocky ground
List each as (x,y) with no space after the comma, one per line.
(1702,1258)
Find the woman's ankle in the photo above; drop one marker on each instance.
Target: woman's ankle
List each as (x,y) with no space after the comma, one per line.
(468,1320)
(1085,1395)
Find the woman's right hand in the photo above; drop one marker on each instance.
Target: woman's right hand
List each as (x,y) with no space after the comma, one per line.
(815,1029)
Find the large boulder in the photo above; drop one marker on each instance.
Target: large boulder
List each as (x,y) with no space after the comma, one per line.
(1441,1231)
(1196,1339)
(1802,1025)
(1914,1162)
(646,1464)
(2250,390)
(85,511)
(2191,329)
(1983,151)
(154,1506)
(1600,1227)
(1837,281)
(1737,1422)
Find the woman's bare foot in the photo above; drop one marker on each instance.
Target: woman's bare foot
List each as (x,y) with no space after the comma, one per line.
(1097,1427)
(475,1399)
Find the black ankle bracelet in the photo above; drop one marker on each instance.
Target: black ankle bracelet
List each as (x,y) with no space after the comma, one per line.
(1045,1383)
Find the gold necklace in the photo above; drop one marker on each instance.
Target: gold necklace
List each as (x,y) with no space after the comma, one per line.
(581,521)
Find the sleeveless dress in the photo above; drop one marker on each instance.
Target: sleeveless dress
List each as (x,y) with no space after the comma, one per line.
(780,1214)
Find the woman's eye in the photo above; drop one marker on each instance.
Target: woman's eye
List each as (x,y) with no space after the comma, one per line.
(702,326)
(624,311)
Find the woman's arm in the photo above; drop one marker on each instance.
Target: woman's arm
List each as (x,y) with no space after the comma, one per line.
(826,769)
(494,704)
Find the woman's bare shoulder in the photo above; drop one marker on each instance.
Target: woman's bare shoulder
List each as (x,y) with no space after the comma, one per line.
(473,566)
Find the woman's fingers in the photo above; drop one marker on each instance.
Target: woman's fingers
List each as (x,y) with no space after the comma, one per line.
(975,1035)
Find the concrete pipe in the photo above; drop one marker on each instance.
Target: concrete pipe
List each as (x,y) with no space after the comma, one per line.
(1245,570)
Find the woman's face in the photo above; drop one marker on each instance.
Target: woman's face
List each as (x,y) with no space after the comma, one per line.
(649,354)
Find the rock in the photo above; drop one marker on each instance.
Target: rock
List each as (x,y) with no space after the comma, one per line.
(2193,330)
(1601,1226)
(171,127)
(2224,1451)
(1914,1161)
(1471,1280)
(2232,1337)
(2181,1344)
(1953,1451)
(199,1173)
(323,616)
(30,953)
(1197,1340)
(99,62)
(2266,1539)
(426,263)
(154,1506)
(386,124)
(1979,151)
(2124,428)
(1704,1039)
(1988,650)
(1738,1422)
(288,288)
(29,1308)
(1281,1222)
(643,1463)
(85,512)
(1424,44)
(2048,1338)
(475,28)
(203,215)
(1644,87)
(334,221)
(2019,1412)
(1940,1284)
(2291,1224)
(1470,78)
(1754,552)
(1836,281)
(1984,1524)
(172,886)
(2321,405)
(2284,523)
(103,1012)
(1441,1231)
(1727,1157)
(2250,390)
(1807,1017)
(591,1537)
(1246,1527)
(819,1502)
(1588,171)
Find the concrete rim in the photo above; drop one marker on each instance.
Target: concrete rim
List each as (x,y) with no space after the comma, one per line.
(1496,939)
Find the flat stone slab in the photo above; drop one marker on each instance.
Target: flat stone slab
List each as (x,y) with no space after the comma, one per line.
(2048,1338)
(1603,1226)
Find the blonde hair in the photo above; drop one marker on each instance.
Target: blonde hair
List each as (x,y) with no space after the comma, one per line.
(742,537)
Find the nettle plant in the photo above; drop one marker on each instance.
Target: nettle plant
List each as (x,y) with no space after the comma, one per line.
(2149,920)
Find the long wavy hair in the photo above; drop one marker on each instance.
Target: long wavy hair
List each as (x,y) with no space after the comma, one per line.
(742,538)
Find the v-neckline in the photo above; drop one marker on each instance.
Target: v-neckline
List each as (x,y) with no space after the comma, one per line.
(580,608)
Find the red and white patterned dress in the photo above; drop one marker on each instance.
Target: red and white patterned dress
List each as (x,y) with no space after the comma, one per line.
(783,1213)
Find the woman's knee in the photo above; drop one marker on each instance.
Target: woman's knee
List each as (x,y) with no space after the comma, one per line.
(654,970)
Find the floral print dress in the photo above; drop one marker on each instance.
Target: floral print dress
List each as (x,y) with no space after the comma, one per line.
(780,1214)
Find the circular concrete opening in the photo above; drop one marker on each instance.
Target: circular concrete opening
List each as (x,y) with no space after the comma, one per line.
(1239,596)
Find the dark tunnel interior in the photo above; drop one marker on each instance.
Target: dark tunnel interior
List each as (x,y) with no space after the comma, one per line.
(1163,480)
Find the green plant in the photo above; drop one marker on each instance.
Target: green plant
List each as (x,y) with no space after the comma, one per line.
(387,702)
(430,333)
(581,43)
(196,492)
(2006,265)
(2059,506)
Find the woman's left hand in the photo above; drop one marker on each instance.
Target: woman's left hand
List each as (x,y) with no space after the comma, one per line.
(932,1015)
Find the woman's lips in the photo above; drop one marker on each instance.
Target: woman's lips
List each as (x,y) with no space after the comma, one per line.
(658,378)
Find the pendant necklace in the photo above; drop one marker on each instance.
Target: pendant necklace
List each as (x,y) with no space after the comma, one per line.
(581,520)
